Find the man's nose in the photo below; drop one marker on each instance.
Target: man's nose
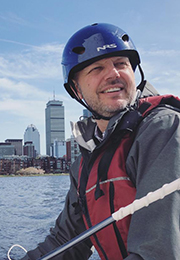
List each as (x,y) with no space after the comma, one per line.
(112,72)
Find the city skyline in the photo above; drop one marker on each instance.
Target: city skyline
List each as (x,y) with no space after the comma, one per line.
(31,133)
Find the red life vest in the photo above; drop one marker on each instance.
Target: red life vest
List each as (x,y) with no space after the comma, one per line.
(107,187)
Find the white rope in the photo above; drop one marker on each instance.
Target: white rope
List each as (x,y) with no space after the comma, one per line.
(148,199)
(16,245)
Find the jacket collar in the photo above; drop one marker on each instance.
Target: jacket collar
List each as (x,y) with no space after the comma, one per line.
(83,131)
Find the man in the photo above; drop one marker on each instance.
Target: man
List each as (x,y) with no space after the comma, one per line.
(129,147)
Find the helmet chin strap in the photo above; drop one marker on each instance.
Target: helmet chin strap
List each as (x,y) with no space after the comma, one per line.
(142,83)
(96,115)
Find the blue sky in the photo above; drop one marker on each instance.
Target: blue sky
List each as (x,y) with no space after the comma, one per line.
(33,34)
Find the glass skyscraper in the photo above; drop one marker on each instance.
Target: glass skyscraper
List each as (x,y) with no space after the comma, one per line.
(31,134)
(55,129)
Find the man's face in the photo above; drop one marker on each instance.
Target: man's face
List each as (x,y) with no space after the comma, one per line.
(108,85)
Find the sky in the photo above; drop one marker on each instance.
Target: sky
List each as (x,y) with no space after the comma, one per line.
(34,33)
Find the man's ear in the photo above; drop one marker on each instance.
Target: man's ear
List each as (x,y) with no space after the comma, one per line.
(77,88)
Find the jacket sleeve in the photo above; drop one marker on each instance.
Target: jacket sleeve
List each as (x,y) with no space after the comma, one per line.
(154,160)
(68,225)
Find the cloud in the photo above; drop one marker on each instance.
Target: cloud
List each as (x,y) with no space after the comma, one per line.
(20,89)
(17,43)
(23,99)
(53,48)
(13,18)
(28,109)
(25,103)
(33,62)
(160,52)
(161,67)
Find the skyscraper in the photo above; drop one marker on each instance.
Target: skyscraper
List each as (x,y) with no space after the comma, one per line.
(54,124)
(31,134)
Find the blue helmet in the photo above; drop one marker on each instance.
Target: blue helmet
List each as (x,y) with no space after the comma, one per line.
(92,43)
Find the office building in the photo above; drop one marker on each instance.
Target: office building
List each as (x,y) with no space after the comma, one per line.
(31,134)
(55,130)
(72,150)
(29,149)
(6,149)
(17,144)
(59,149)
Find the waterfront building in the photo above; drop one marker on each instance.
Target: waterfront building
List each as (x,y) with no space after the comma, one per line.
(31,134)
(55,130)
(12,164)
(17,144)
(59,149)
(29,149)
(72,149)
(6,149)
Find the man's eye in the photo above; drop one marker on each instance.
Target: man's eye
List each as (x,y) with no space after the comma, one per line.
(95,69)
(120,64)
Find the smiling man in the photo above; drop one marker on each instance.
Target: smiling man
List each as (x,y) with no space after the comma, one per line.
(129,147)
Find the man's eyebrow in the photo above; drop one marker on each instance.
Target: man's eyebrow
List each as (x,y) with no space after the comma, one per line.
(123,57)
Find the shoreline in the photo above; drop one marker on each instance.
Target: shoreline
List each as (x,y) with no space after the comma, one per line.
(35,175)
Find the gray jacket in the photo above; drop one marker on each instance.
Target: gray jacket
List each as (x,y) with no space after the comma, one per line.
(153,160)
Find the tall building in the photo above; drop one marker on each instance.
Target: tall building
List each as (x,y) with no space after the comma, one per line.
(72,149)
(17,144)
(31,134)
(54,124)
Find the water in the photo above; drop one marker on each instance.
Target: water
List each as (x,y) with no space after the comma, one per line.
(29,206)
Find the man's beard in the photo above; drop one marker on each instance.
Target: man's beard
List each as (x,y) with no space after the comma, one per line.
(109,110)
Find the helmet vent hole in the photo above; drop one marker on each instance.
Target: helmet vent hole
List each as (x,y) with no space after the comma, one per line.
(78,50)
(125,38)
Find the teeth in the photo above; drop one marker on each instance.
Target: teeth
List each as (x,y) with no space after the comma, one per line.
(112,90)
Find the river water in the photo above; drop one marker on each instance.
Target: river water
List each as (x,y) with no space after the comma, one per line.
(29,206)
